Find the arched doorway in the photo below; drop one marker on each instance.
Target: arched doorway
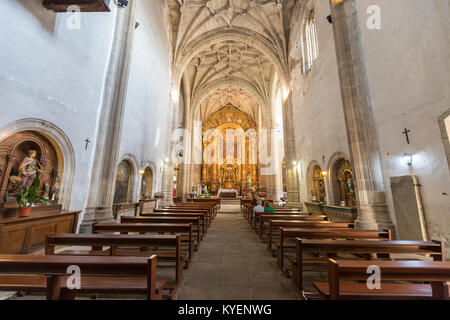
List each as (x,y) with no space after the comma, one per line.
(147,184)
(343,185)
(33,152)
(122,192)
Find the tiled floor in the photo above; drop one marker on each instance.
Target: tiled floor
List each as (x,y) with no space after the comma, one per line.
(233,263)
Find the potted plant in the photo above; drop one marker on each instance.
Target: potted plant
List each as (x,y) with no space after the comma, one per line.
(28,197)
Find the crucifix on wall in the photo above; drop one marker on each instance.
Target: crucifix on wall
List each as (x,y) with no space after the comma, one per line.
(87,143)
(405,132)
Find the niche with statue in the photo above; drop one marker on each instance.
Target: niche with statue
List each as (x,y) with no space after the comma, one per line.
(23,156)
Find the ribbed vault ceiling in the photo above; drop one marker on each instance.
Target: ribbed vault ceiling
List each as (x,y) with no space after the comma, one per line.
(229,51)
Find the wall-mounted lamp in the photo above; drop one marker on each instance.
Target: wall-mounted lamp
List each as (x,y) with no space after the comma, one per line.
(407,159)
(166,160)
(294,163)
(141,172)
(324,173)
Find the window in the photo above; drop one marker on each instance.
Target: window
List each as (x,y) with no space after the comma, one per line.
(310,48)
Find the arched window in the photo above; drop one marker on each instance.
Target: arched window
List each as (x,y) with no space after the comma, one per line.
(310,47)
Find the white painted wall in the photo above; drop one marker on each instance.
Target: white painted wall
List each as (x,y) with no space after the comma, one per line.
(408,69)
(408,65)
(145,123)
(52,73)
(319,124)
(56,74)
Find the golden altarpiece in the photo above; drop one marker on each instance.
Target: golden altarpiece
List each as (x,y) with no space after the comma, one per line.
(238,166)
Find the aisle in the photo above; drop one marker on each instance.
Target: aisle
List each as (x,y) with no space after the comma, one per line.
(232,263)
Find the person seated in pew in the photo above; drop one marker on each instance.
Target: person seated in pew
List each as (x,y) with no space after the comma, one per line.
(258,209)
(268,207)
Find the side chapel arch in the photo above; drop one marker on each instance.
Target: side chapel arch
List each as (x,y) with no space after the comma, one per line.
(54,152)
(316,183)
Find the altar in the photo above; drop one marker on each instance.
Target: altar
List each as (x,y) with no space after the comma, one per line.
(228,193)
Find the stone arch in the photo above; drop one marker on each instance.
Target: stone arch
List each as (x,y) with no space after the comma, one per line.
(335,194)
(313,183)
(62,145)
(210,87)
(150,166)
(134,179)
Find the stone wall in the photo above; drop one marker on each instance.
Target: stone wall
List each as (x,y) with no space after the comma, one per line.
(409,80)
(318,117)
(408,68)
(56,74)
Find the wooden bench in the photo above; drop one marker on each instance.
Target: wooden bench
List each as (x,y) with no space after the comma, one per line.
(201,216)
(215,202)
(412,274)
(275,225)
(210,206)
(117,245)
(303,217)
(256,216)
(183,230)
(109,275)
(205,212)
(288,238)
(356,249)
(195,221)
(194,208)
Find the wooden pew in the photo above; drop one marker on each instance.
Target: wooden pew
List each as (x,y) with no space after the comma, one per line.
(288,239)
(435,274)
(210,206)
(110,275)
(205,212)
(201,216)
(275,225)
(245,201)
(158,228)
(265,218)
(195,221)
(97,243)
(204,200)
(214,202)
(356,249)
(194,207)
(256,216)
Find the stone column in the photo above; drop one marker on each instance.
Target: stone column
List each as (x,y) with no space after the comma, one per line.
(361,132)
(292,184)
(168,173)
(104,169)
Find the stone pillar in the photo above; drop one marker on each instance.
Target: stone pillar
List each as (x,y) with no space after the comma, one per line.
(168,173)
(292,182)
(362,138)
(104,168)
